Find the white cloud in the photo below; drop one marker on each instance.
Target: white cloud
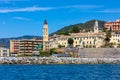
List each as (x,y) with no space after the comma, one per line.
(84,6)
(34,8)
(22,18)
(110,11)
(6,1)
(26,9)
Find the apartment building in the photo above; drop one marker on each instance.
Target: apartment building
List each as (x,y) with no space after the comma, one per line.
(28,46)
(4,52)
(25,46)
(114,26)
(14,46)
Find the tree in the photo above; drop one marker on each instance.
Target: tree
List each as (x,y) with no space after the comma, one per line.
(61,46)
(53,50)
(107,38)
(45,54)
(75,29)
(63,33)
(111,44)
(70,41)
(104,29)
(118,45)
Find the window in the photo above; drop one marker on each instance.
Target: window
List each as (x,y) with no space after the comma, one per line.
(4,54)
(83,42)
(94,41)
(90,42)
(4,50)
(76,42)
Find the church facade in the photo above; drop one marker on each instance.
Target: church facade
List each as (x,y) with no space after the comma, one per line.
(92,39)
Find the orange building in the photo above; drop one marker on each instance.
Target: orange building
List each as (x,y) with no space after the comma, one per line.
(14,46)
(24,46)
(28,46)
(114,26)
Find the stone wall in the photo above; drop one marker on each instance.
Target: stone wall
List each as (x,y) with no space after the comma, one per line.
(95,52)
(99,52)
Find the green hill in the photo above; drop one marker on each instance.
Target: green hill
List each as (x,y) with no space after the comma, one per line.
(81,26)
(65,30)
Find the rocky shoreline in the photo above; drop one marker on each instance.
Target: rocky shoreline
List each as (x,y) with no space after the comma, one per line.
(54,60)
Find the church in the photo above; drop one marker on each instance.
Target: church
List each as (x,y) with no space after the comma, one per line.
(91,39)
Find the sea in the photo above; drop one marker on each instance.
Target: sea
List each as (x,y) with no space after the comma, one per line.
(60,72)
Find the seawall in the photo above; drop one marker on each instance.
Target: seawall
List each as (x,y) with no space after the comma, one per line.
(54,60)
(95,52)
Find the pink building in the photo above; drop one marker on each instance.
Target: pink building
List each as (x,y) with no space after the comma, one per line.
(114,26)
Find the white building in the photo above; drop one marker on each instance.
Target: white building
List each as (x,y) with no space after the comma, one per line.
(4,52)
(115,39)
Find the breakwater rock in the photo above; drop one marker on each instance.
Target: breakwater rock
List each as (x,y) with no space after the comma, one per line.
(55,60)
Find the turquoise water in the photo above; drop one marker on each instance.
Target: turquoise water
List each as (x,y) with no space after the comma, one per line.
(60,72)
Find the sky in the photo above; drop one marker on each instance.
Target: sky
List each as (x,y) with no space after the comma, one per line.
(26,17)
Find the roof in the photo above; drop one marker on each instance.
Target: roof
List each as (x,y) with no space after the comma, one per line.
(45,22)
(3,48)
(90,34)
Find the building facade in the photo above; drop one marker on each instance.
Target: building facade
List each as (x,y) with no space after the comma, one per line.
(28,46)
(114,26)
(83,39)
(86,39)
(92,39)
(25,46)
(4,52)
(14,46)
(115,38)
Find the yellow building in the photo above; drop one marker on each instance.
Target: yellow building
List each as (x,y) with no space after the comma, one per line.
(86,39)
(115,38)
(90,39)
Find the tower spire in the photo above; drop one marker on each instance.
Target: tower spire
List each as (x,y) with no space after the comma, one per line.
(45,22)
(45,34)
(96,27)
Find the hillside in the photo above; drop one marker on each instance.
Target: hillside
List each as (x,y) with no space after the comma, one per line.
(81,26)
(68,29)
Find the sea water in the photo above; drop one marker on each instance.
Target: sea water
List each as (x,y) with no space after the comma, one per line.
(60,72)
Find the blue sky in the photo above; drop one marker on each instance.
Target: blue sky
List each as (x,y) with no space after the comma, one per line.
(26,17)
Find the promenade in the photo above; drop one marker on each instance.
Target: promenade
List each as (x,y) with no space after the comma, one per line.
(55,60)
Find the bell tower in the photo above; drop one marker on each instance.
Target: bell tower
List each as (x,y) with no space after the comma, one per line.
(96,30)
(45,34)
